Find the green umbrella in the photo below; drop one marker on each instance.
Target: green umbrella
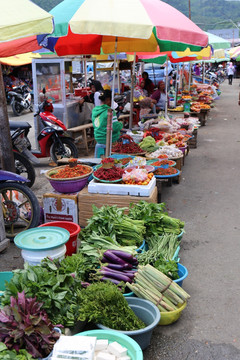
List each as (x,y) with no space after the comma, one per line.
(217,42)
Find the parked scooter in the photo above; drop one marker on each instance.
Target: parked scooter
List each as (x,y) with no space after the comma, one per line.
(21,99)
(21,154)
(20,206)
(52,139)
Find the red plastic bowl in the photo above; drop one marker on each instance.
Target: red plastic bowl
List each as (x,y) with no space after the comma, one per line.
(69,186)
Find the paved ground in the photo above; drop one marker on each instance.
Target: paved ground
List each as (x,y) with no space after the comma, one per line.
(208,200)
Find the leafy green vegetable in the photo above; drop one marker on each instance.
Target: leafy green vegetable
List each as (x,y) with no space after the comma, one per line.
(159,246)
(6,354)
(103,303)
(25,325)
(148,144)
(156,219)
(55,289)
(111,223)
(167,267)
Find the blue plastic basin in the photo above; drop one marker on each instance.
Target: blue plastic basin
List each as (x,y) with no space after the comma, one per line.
(182,273)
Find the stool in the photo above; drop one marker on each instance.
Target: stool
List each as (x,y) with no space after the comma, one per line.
(99,150)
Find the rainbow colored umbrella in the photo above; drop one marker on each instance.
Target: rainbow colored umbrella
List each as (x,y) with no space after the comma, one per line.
(234,53)
(89,26)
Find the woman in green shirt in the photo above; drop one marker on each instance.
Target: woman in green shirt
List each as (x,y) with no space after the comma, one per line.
(99,119)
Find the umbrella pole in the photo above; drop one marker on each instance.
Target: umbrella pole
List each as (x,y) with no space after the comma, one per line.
(85,70)
(132,90)
(176,86)
(109,127)
(6,151)
(190,74)
(109,133)
(204,72)
(166,89)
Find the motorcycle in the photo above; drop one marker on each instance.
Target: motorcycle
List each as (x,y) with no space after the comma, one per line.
(52,139)
(23,165)
(20,206)
(21,99)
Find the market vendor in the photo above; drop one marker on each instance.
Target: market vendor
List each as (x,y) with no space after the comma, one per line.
(99,119)
(159,96)
(148,85)
(96,88)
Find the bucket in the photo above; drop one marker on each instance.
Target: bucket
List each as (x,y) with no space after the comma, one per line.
(35,257)
(73,229)
(182,273)
(148,313)
(4,276)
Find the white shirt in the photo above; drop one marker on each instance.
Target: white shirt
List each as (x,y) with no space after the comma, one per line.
(230,70)
(97,102)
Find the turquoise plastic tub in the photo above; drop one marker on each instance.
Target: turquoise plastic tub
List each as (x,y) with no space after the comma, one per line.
(175,256)
(180,236)
(4,276)
(142,247)
(182,273)
(134,350)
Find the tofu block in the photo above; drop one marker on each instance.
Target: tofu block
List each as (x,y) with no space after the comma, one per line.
(101,345)
(105,356)
(117,349)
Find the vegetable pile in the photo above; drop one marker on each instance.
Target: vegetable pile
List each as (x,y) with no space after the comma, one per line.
(25,325)
(103,303)
(151,284)
(6,354)
(117,267)
(148,144)
(69,172)
(163,162)
(164,172)
(130,148)
(111,174)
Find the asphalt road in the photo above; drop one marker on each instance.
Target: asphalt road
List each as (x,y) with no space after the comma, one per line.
(207,199)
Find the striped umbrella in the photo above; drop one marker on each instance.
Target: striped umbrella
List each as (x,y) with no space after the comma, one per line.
(87,26)
(234,53)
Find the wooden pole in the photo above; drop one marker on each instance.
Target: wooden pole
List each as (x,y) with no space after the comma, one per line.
(109,133)
(132,91)
(6,151)
(189,8)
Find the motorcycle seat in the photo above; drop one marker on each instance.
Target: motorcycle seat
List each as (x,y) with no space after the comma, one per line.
(14,125)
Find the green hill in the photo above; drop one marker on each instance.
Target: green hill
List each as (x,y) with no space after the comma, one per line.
(205,13)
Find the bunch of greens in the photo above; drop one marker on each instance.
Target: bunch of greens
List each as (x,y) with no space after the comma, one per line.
(13,354)
(148,144)
(103,303)
(163,245)
(25,325)
(54,288)
(156,219)
(167,267)
(111,222)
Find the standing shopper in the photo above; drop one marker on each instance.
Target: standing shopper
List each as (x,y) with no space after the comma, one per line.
(230,72)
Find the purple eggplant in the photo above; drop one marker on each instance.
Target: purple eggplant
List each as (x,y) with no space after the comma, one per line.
(114,281)
(119,267)
(113,258)
(118,276)
(104,260)
(126,273)
(123,255)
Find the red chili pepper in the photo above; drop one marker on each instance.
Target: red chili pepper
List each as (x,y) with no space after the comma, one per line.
(168,171)
(111,174)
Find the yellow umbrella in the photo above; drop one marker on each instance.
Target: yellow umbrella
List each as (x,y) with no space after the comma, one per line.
(21,59)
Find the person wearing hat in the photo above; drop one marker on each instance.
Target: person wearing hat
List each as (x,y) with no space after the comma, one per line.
(99,119)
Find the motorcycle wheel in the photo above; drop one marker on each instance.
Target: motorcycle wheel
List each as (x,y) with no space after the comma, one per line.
(69,150)
(16,108)
(24,168)
(21,210)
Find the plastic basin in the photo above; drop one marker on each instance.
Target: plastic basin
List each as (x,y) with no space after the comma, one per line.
(142,247)
(73,228)
(4,276)
(182,273)
(35,257)
(69,186)
(148,313)
(180,235)
(134,350)
(170,317)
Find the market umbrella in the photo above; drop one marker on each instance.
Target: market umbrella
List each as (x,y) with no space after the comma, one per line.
(234,53)
(19,60)
(18,19)
(86,26)
(217,42)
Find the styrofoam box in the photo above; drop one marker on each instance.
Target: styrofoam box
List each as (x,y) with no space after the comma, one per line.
(122,189)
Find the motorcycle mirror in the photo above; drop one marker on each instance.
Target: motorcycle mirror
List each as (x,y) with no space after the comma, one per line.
(44,91)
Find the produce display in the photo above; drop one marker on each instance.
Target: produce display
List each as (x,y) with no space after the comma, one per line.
(137,177)
(163,162)
(126,145)
(6,354)
(103,303)
(69,172)
(109,174)
(169,171)
(24,324)
(151,284)
(148,144)
(170,150)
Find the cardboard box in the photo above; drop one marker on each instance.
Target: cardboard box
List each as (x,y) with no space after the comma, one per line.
(59,207)
(86,200)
